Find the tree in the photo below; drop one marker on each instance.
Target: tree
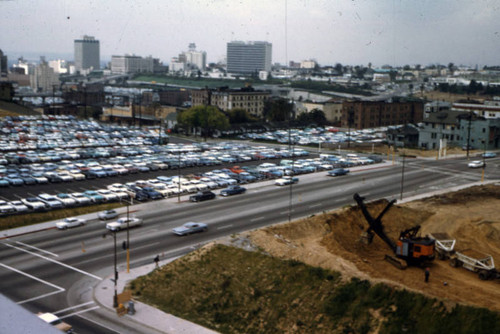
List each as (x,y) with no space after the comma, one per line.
(339,69)
(277,110)
(239,115)
(315,116)
(204,118)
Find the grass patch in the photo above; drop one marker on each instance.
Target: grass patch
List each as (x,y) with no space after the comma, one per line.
(8,222)
(232,290)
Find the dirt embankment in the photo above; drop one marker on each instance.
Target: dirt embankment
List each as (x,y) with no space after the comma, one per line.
(332,240)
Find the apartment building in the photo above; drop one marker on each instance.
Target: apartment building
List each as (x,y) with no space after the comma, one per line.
(372,114)
(226,99)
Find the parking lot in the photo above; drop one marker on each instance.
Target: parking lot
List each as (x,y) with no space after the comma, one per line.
(50,163)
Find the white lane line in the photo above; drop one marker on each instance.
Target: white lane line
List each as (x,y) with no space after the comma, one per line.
(38,249)
(256,219)
(58,288)
(99,324)
(79,312)
(39,297)
(57,262)
(107,256)
(73,307)
(223,227)
(315,205)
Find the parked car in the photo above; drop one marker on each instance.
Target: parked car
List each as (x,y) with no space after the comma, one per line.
(34,203)
(108,214)
(233,190)
(70,222)
(19,206)
(189,228)
(202,196)
(286,181)
(338,172)
(66,199)
(81,199)
(51,201)
(123,223)
(476,164)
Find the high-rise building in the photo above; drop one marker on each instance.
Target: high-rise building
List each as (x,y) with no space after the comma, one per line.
(136,64)
(250,57)
(87,54)
(3,63)
(44,79)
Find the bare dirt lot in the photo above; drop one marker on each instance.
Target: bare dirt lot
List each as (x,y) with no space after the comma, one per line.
(332,240)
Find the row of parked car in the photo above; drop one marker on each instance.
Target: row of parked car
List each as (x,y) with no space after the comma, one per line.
(173,156)
(49,132)
(167,186)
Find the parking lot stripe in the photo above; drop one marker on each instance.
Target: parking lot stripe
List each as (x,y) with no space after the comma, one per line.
(58,288)
(56,262)
(38,249)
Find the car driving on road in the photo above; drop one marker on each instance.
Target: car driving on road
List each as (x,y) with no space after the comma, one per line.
(70,222)
(476,164)
(338,172)
(233,190)
(286,181)
(189,228)
(202,196)
(108,214)
(121,224)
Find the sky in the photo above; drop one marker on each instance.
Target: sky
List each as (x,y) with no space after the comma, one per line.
(350,32)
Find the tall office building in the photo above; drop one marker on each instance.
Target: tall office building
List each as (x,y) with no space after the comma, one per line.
(249,57)
(3,62)
(87,53)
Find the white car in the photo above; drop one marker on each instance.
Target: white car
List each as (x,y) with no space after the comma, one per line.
(70,222)
(121,224)
(108,214)
(286,181)
(19,206)
(67,200)
(34,203)
(476,164)
(81,199)
(108,195)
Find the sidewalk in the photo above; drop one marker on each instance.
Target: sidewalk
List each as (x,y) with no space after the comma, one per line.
(145,315)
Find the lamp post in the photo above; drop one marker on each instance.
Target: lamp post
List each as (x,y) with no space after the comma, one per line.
(179,176)
(131,202)
(402,175)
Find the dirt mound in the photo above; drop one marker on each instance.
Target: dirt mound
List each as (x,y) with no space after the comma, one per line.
(332,240)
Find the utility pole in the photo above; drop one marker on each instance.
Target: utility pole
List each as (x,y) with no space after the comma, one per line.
(115,296)
(468,133)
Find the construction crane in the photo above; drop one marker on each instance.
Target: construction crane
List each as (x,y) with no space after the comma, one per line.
(409,247)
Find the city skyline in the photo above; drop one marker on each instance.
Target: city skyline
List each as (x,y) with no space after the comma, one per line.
(349,32)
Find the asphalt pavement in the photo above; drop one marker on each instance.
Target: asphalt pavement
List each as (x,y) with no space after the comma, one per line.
(103,292)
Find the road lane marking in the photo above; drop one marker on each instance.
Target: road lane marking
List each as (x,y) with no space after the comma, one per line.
(79,312)
(73,307)
(256,219)
(223,227)
(99,324)
(57,262)
(315,205)
(38,249)
(58,288)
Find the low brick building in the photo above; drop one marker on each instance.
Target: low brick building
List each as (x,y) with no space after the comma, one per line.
(372,114)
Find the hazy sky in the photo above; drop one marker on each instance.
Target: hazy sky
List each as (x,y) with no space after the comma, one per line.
(394,32)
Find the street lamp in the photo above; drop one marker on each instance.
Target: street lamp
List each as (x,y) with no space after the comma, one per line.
(115,280)
(402,175)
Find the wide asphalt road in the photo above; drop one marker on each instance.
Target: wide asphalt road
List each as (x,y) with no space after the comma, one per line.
(55,270)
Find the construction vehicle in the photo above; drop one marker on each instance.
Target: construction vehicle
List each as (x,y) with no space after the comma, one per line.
(480,263)
(445,245)
(410,248)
